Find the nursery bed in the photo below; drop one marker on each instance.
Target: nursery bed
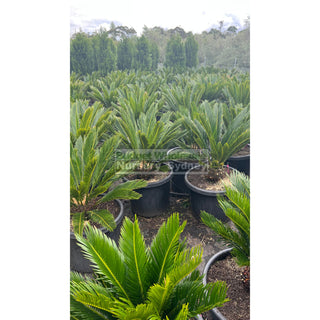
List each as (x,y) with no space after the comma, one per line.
(195,231)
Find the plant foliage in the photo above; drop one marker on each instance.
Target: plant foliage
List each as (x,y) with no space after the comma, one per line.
(134,281)
(237,208)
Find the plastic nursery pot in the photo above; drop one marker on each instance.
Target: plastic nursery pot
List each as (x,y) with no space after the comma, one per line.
(77,260)
(180,167)
(155,198)
(241,163)
(215,313)
(205,200)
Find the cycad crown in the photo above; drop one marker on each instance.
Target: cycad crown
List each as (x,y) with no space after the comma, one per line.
(237,208)
(93,172)
(136,282)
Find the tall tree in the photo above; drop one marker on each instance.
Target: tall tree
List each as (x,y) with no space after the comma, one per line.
(175,53)
(125,54)
(81,54)
(191,48)
(154,55)
(142,60)
(106,55)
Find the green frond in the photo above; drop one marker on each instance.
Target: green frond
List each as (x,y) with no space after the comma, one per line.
(125,191)
(183,314)
(107,259)
(78,222)
(133,248)
(141,312)
(104,218)
(164,247)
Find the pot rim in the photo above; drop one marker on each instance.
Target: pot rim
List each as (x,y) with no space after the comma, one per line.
(117,219)
(203,191)
(244,157)
(180,161)
(157,183)
(218,256)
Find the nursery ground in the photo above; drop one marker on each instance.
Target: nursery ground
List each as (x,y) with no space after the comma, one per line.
(195,231)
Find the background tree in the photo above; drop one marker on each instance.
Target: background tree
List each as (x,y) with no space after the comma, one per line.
(142,59)
(106,54)
(81,54)
(125,54)
(191,48)
(154,55)
(175,54)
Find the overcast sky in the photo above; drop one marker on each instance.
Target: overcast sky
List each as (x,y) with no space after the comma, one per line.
(191,15)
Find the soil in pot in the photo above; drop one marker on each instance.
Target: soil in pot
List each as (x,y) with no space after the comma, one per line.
(206,188)
(238,308)
(150,177)
(77,260)
(112,206)
(201,179)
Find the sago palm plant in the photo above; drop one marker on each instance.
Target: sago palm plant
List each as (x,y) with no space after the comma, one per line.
(93,172)
(237,208)
(134,281)
(210,133)
(137,99)
(147,134)
(237,92)
(105,93)
(83,118)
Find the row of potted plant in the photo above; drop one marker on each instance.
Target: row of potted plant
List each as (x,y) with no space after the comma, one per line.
(122,153)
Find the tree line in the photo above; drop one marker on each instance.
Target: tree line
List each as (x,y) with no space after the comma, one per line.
(119,48)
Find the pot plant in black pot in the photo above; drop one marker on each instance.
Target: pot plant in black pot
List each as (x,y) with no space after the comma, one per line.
(241,159)
(95,191)
(147,140)
(232,264)
(140,282)
(206,182)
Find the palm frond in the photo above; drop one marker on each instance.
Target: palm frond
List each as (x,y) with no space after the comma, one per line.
(164,248)
(104,218)
(103,252)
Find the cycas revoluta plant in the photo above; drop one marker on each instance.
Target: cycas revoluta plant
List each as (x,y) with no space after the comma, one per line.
(237,208)
(210,133)
(237,92)
(93,172)
(84,118)
(134,281)
(136,98)
(146,133)
(104,93)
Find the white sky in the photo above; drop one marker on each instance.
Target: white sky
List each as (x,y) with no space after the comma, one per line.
(191,15)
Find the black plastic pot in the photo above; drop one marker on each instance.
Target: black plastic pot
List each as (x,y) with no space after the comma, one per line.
(205,200)
(215,313)
(155,198)
(77,261)
(241,163)
(178,185)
